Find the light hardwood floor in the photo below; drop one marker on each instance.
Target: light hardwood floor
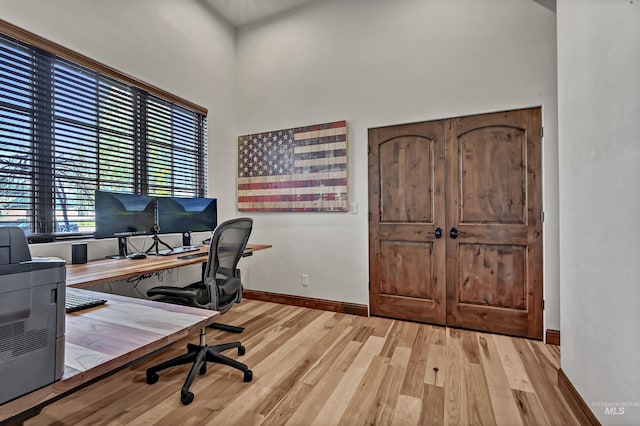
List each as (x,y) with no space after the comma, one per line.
(321,368)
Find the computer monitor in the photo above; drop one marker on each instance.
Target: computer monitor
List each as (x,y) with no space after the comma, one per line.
(124,214)
(180,215)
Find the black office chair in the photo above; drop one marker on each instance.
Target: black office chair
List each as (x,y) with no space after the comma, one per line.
(219,290)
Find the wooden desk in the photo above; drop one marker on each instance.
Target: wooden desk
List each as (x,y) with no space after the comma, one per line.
(99,271)
(102,339)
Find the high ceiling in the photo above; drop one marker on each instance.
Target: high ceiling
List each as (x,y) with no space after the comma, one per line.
(243,12)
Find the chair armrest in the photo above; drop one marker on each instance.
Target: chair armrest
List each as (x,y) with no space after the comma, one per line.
(229,286)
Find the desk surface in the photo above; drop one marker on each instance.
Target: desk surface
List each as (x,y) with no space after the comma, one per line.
(99,271)
(102,339)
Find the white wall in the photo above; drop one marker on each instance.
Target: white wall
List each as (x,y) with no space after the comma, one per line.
(376,63)
(599,128)
(179,46)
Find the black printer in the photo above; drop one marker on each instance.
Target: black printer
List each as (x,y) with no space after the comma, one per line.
(32,293)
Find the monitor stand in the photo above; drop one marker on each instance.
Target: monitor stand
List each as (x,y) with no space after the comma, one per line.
(123,250)
(156,242)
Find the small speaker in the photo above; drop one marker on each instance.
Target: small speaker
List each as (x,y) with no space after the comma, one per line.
(78,253)
(186,238)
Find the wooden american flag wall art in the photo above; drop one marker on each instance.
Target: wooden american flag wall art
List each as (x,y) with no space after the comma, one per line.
(303,169)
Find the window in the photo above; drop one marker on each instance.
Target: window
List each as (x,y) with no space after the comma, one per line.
(67,130)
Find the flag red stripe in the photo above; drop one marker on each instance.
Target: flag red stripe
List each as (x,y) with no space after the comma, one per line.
(291,209)
(321,154)
(321,168)
(321,140)
(287,198)
(293,184)
(334,125)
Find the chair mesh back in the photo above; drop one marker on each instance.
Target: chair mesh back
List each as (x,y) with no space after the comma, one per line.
(227,244)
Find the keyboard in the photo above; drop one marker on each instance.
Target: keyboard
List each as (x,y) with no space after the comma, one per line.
(177,250)
(74,302)
(194,255)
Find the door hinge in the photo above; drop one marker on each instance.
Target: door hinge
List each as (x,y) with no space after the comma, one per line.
(542,216)
(369,285)
(543,304)
(368,149)
(542,132)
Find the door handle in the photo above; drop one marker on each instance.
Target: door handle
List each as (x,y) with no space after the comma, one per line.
(438,233)
(454,233)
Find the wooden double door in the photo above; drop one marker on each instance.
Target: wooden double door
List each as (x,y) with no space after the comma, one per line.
(455,232)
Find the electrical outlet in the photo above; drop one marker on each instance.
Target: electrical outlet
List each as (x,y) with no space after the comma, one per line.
(305,280)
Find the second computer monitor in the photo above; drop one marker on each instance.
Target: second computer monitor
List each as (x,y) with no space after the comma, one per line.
(180,215)
(124,214)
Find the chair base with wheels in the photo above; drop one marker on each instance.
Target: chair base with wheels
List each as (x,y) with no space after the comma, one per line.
(226,327)
(199,355)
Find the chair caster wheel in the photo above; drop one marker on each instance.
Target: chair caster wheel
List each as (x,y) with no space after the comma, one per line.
(248,376)
(241,350)
(152,378)
(203,370)
(186,398)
